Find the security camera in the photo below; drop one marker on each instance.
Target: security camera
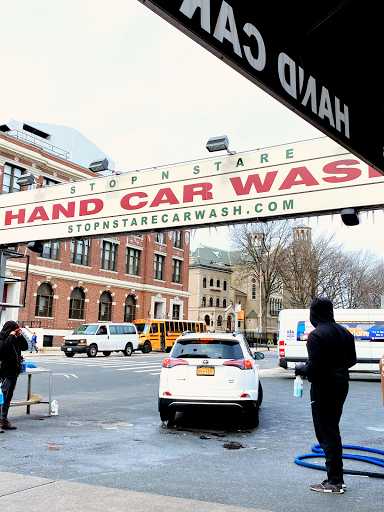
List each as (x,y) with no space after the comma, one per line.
(350,217)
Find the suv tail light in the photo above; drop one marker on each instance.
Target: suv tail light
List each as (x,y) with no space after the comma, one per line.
(169,362)
(243,364)
(281,348)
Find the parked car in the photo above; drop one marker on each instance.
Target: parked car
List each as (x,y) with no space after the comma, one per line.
(106,338)
(210,370)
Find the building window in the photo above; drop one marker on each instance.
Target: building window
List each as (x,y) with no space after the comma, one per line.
(176,271)
(44,300)
(177,241)
(204,302)
(108,256)
(253,291)
(11,173)
(132,264)
(80,252)
(130,309)
(207,320)
(217,302)
(51,251)
(211,302)
(47,182)
(159,238)
(224,303)
(218,283)
(275,305)
(105,307)
(204,282)
(158,267)
(225,286)
(76,304)
(176,312)
(211,282)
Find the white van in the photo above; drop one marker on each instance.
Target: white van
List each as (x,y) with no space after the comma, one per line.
(367,326)
(103,337)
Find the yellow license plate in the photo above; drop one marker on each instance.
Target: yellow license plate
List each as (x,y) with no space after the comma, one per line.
(205,370)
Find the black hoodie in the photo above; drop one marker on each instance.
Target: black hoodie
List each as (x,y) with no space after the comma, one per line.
(331,347)
(10,350)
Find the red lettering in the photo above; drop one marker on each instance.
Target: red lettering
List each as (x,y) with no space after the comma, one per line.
(9,216)
(67,212)
(253,179)
(126,201)
(198,189)
(86,206)
(38,213)
(306,178)
(350,173)
(372,173)
(164,195)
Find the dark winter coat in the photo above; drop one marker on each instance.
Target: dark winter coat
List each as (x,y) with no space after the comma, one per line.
(10,350)
(331,347)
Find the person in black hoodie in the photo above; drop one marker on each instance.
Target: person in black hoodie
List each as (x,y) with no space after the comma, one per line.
(12,342)
(331,352)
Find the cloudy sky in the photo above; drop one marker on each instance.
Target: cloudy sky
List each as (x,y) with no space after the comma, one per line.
(142,91)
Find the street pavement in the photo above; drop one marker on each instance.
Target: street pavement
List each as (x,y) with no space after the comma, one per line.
(107,448)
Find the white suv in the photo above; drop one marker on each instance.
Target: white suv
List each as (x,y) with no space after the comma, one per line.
(208,370)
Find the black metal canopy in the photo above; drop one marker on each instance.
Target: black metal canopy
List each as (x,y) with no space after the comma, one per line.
(321,59)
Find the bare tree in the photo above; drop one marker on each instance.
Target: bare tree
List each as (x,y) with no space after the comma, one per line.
(309,268)
(259,247)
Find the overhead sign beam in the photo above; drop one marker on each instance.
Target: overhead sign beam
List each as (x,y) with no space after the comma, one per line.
(302,179)
(322,62)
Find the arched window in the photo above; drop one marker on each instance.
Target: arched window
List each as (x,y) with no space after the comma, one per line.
(211,302)
(130,309)
(211,282)
(204,282)
(207,320)
(218,283)
(44,300)
(224,303)
(204,302)
(253,291)
(105,307)
(76,304)
(225,286)
(219,321)
(217,302)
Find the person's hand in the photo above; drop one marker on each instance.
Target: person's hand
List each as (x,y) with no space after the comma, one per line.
(299,369)
(13,332)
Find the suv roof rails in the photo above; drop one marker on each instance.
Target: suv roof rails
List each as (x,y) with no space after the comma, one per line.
(186,332)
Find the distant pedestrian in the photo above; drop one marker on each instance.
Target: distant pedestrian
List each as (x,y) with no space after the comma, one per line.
(331,352)
(34,343)
(12,342)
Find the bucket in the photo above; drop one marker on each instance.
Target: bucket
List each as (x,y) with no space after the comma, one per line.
(54,408)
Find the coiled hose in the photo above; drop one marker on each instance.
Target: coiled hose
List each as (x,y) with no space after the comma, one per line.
(318,452)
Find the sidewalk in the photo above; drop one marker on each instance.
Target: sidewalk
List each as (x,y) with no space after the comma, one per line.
(20,492)
(48,351)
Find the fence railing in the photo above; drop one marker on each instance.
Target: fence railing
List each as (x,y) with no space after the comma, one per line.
(256,339)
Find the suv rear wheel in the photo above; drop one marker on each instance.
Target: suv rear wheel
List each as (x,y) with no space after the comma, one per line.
(252,417)
(260,395)
(128,349)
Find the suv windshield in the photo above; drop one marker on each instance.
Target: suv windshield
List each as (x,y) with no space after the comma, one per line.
(86,329)
(215,349)
(142,328)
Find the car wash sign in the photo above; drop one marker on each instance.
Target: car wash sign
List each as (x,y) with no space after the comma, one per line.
(308,58)
(309,178)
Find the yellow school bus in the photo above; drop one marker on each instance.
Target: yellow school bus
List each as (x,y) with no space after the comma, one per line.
(161,334)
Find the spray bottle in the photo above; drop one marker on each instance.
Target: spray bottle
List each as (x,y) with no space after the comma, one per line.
(298,387)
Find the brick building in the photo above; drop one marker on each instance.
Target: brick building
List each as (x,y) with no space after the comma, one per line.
(86,280)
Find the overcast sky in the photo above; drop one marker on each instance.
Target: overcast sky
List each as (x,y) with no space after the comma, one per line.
(142,91)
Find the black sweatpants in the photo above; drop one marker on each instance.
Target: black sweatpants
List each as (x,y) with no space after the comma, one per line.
(8,385)
(327,406)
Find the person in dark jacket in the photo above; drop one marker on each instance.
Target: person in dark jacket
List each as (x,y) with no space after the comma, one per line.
(331,352)
(12,342)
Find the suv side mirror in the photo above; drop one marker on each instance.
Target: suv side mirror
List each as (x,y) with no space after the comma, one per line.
(258,355)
